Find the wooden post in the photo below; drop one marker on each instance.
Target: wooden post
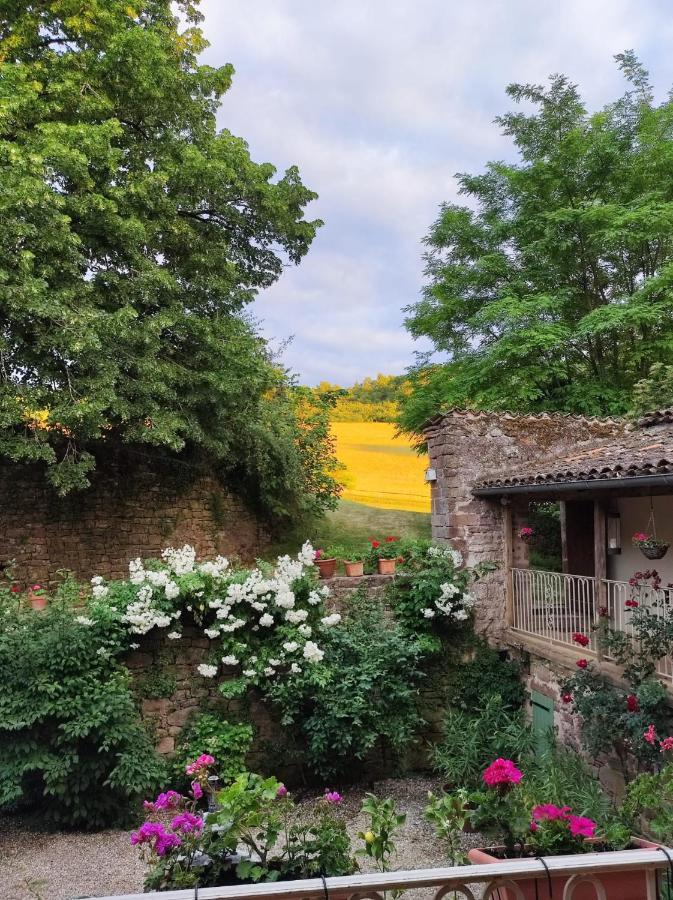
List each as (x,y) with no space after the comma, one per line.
(508,558)
(600,566)
(564,536)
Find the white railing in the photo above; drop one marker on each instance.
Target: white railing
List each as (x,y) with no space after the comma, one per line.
(512,878)
(554,606)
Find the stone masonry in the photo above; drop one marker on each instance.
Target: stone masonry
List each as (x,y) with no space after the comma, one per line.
(462,445)
(133,508)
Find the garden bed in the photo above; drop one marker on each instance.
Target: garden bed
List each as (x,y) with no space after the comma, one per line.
(38,865)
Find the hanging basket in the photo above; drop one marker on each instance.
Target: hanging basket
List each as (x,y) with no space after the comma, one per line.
(654,551)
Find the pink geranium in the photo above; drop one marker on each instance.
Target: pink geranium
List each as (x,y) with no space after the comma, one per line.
(550,812)
(502,772)
(650,735)
(202,762)
(666,744)
(333,797)
(187,822)
(581,826)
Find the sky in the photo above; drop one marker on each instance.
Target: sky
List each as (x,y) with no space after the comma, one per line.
(380,103)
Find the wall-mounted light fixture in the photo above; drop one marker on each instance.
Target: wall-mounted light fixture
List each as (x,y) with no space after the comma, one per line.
(614,527)
(430,475)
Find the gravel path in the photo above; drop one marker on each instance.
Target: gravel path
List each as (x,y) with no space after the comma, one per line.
(38,865)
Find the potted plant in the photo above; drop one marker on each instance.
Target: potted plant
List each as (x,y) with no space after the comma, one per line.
(326,560)
(650,545)
(383,554)
(354,563)
(527,534)
(546,830)
(37,597)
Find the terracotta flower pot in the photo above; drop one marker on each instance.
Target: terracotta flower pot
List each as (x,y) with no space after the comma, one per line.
(37,601)
(354,569)
(618,885)
(386,566)
(326,567)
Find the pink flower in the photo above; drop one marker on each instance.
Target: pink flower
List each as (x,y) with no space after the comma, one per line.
(650,735)
(581,827)
(666,744)
(632,604)
(550,812)
(169,800)
(333,797)
(187,822)
(640,536)
(155,833)
(567,698)
(166,841)
(502,772)
(197,790)
(202,762)
(281,792)
(581,663)
(534,826)
(319,554)
(580,639)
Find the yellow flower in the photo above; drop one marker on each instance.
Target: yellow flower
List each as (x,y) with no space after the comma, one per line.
(370,837)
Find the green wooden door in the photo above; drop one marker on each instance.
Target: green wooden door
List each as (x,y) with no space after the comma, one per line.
(543,719)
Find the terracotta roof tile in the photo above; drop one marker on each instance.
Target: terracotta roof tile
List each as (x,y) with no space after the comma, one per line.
(631,454)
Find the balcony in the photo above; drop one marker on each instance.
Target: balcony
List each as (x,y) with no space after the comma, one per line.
(551,606)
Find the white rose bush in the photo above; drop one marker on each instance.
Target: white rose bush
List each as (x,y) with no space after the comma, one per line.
(261,623)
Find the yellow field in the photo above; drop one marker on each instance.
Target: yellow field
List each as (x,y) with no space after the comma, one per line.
(381,470)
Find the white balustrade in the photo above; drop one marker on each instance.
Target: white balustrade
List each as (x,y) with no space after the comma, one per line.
(488,881)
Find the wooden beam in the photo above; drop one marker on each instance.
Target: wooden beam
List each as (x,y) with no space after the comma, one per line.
(600,564)
(508,561)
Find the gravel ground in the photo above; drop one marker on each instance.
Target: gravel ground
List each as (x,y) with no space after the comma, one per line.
(38,865)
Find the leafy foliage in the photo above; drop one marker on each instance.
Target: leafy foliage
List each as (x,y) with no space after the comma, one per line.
(470,742)
(552,289)
(471,682)
(227,742)
(559,775)
(649,799)
(361,696)
(379,838)
(135,233)
(70,738)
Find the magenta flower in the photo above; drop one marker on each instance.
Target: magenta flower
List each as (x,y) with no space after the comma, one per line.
(166,841)
(666,744)
(169,800)
(581,827)
(502,772)
(333,797)
(197,790)
(156,834)
(281,792)
(550,812)
(187,822)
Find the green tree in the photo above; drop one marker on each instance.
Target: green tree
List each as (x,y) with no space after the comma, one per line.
(134,234)
(552,290)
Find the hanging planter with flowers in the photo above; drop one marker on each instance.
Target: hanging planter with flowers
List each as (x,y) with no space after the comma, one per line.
(527,534)
(649,545)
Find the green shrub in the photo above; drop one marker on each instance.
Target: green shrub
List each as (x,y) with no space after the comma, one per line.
(70,738)
(648,802)
(361,696)
(559,775)
(471,742)
(471,683)
(208,733)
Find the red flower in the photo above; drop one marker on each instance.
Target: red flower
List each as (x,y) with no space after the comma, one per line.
(16,588)
(582,663)
(632,604)
(319,554)
(603,612)
(567,698)
(375,544)
(390,539)
(632,703)
(580,639)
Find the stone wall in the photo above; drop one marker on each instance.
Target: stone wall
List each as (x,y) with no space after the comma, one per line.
(133,508)
(172,664)
(462,446)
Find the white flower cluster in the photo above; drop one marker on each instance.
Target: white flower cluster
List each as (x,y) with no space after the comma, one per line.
(142,615)
(452,603)
(455,556)
(98,589)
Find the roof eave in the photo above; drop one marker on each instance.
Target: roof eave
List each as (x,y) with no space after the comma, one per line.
(565,487)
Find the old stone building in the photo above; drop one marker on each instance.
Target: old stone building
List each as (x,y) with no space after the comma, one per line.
(607,478)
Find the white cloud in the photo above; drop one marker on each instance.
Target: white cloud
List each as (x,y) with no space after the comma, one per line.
(379,104)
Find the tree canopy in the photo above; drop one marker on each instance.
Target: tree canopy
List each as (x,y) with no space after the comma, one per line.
(134,234)
(553,288)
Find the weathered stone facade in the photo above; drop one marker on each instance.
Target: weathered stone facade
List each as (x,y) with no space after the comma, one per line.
(462,446)
(133,508)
